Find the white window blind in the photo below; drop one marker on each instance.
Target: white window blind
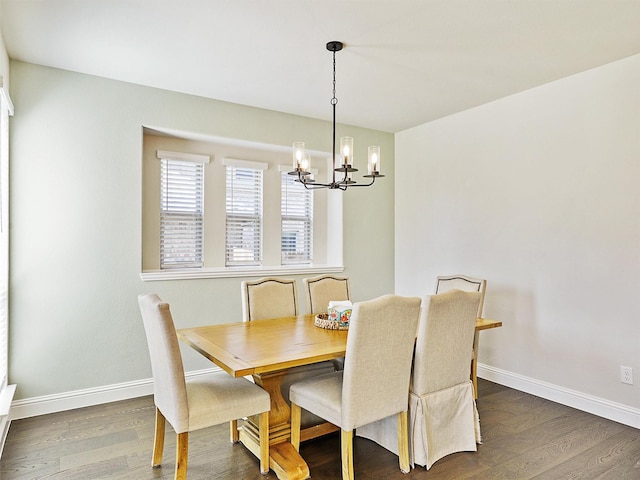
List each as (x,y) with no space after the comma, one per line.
(243,212)
(297,222)
(181,210)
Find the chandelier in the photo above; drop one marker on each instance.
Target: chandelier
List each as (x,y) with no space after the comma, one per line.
(343,162)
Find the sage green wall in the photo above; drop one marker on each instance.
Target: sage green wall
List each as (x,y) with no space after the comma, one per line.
(76,149)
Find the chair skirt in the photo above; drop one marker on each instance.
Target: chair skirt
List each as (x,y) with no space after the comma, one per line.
(440,423)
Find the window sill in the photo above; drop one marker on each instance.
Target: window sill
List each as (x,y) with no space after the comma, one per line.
(189,274)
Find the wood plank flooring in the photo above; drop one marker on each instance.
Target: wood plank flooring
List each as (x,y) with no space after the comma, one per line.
(524,437)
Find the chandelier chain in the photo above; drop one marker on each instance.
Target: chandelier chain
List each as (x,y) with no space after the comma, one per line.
(334,100)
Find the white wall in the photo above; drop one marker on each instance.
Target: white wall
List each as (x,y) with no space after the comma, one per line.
(4,59)
(76,180)
(539,193)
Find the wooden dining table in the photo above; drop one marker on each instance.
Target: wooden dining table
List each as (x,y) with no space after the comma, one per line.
(267,349)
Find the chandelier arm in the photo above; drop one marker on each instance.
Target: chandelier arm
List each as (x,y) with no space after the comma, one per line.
(315,186)
(373,179)
(310,185)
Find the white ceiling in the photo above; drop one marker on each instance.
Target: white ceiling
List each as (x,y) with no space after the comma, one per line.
(405,62)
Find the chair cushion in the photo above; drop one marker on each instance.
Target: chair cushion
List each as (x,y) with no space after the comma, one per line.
(218,398)
(297,374)
(323,394)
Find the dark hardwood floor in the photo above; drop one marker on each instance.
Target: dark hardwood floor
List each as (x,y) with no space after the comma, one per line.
(524,437)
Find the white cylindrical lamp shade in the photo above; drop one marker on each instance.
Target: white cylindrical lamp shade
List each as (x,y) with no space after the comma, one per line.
(346,150)
(298,155)
(374,160)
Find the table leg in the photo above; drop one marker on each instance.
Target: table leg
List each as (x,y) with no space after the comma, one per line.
(284,460)
(474,364)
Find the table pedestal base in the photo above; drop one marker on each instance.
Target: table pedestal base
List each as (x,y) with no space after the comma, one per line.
(284,460)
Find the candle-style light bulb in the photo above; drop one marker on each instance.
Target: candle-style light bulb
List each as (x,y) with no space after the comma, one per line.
(374,160)
(305,164)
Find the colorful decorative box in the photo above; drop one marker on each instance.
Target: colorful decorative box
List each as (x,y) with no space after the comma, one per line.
(340,312)
(337,316)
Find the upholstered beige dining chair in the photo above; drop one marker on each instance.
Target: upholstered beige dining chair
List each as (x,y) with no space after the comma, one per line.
(269,297)
(465,283)
(273,297)
(443,417)
(323,289)
(198,402)
(445,283)
(443,405)
(375,381)
(320,291)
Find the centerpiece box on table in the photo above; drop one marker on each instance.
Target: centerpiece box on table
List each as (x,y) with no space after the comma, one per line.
(337,316)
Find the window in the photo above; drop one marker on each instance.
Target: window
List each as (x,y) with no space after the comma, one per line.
(230,214)
(181,210)
(297,222)
(243,232)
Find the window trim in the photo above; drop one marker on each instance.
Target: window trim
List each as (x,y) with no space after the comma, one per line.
(182,156)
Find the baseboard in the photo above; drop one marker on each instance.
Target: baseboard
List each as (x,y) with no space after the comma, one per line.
(6,397)
(31,407)
(572,398)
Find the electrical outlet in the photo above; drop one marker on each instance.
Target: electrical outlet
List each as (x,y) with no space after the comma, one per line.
(626,375)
